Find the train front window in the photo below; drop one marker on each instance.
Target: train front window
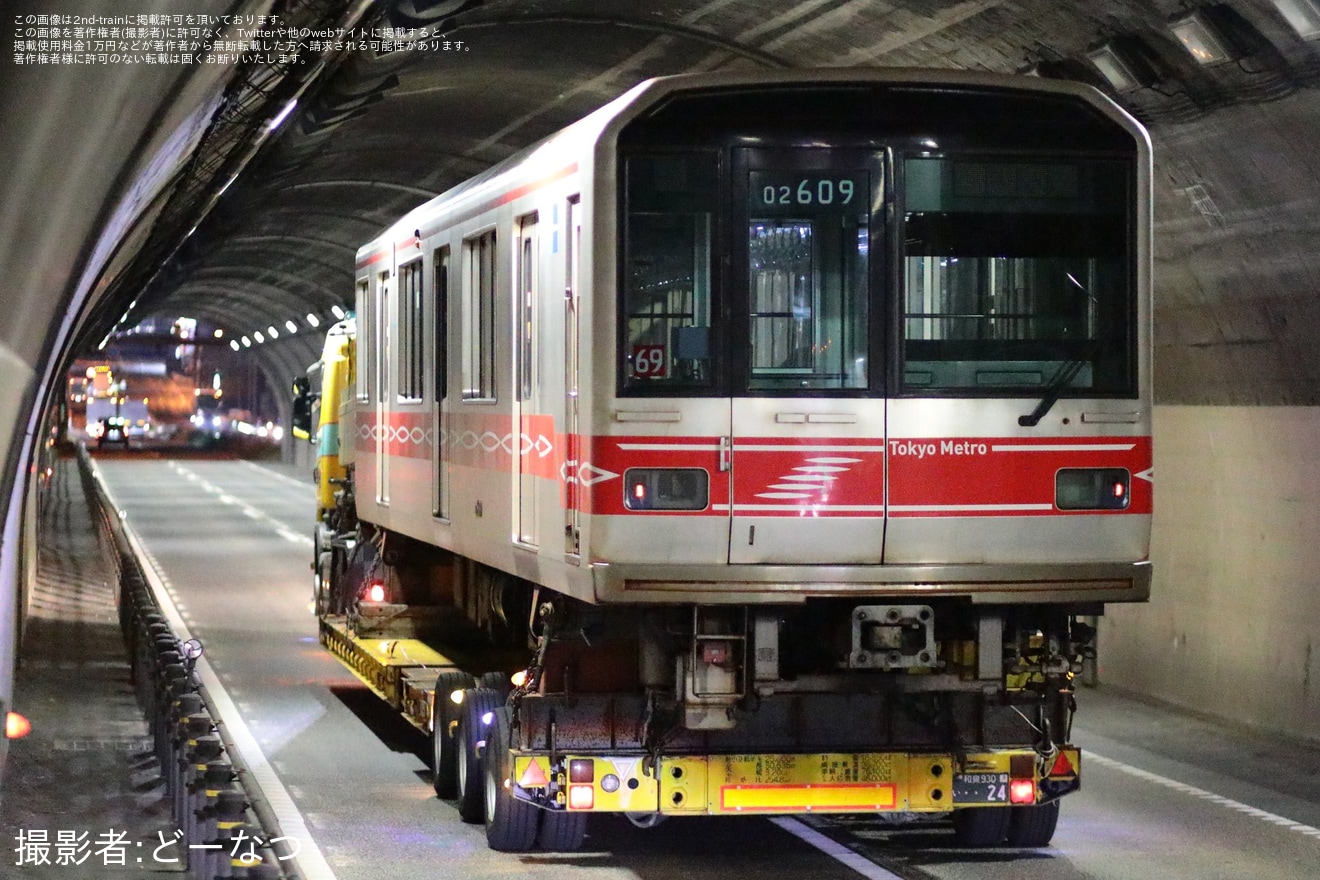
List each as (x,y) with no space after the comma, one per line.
(670,203)
(1016,276)
(807,245)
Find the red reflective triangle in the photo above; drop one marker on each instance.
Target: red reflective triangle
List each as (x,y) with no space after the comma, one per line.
(1062,766)
(534,776)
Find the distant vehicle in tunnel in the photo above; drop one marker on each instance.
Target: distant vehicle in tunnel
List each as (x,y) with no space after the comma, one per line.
(108,431)
(762,443)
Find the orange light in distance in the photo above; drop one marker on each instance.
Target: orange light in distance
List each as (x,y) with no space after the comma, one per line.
(16,726)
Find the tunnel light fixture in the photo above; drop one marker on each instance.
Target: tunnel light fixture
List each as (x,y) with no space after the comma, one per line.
(233,343)
(258,336)
(1201,39)
(272,332)
(291,327)
(1302,15)
(313,321)
(282,115)
(219,334)
(247,343)
(337,312)
(1113,68)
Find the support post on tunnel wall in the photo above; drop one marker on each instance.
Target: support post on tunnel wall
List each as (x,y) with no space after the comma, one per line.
(17,554)
(18,426)
(1090,667)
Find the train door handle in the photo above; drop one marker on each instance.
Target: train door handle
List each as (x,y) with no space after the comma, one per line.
(726,454)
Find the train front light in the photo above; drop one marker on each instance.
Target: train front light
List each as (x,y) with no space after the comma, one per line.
(666,489)
(1092,488)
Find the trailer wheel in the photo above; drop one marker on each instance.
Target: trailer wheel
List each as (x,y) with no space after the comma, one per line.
(324,578)
(478,703)
(510,823)
(496,681)
(561,831)
(444,764)
(1033,826)
(981,826)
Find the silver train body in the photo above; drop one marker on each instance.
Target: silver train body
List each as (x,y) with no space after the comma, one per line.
(759,338)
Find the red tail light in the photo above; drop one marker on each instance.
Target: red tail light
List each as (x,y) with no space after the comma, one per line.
(376,593)
(1022,791)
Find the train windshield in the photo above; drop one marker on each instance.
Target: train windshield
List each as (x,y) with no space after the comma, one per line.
(667,279)
(807,245)
(1015,275)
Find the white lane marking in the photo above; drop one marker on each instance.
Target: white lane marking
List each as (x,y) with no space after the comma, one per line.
(251,512)
(1184,788)
(834,849)
(293,537)
(309,859)
(301,484)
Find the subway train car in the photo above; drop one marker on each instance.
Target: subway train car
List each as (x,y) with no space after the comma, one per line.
(781,433)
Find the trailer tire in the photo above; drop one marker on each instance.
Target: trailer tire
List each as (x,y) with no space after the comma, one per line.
(444,763)
(561,831)
(324,578)
(469,743)
(1033,826)
(981,826)
(496,681)
(510,823)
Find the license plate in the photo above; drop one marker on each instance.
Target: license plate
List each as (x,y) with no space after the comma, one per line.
(980,788)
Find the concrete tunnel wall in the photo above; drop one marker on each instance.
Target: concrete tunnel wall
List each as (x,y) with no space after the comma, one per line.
(1233,625)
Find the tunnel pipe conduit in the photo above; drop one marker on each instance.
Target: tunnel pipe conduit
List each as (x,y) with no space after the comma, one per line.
(217,807)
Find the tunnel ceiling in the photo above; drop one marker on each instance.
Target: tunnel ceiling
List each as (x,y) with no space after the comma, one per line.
(374,135)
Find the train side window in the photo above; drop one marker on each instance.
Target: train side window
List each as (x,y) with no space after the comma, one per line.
(478,317)
(411,321)
(441,324)
(1017,276)
(668,340)
(365,329)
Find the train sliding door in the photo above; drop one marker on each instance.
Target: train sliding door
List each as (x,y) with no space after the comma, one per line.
(808,409)
(380,392)
(531,444)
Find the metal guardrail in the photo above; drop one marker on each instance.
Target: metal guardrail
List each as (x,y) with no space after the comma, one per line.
(223,821)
